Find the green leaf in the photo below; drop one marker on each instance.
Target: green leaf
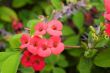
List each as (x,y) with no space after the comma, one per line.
(10,65)
(58,70)
(102,59)
(24,15)
(74,40)
(48,9)
(78,19)
(75,52)
(102,42)
(5,55)
(67,30)
(62,62)
(85,65)
(1,25)
(90,53)
(27,70)
(57,4)
(7,14)
(31,24)
(72,1)
(47,68)
(15,41)
(51,59)
(20,3)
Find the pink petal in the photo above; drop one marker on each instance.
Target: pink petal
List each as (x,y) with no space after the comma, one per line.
(44,53)
(25,38)
(55,22)
(107,16)
(107,5)
(57,50)
(54,32)
(32,49)
(40,33)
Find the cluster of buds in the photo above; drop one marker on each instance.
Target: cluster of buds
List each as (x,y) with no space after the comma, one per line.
(37,47)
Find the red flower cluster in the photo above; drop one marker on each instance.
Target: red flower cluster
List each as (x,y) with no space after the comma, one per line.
(34,61)
(107,16)
(39,47)
(17,26)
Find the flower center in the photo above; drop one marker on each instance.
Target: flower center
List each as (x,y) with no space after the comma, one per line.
(55,44)
(37,61)
(54,27)
(26,42)
(28,58)
(40,29)
(35,44)
(44,47)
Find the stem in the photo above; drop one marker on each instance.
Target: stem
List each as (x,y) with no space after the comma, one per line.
(69,47)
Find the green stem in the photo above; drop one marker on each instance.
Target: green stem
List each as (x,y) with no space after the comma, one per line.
(69,47)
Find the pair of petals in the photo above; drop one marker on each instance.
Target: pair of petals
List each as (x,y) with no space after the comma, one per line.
(51,46)
(53,28)
(35,61)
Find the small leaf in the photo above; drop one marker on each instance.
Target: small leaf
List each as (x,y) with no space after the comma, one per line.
(62,62)
(47,68)
(10,65)
(102,42)
(58,70)
(85,65)
(102,59)
(51,59)
(15,41)
(75,52)
(7,14)
(78,19)
(57,4)
(67,31)
(27,70)
(74,40)
(20,3)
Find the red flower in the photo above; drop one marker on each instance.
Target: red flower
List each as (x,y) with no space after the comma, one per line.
(37,62)
(107,29)
(44,49)
(56,45)
(25,60)
(33,45)
(40,28)
(54,28)
(24,41)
